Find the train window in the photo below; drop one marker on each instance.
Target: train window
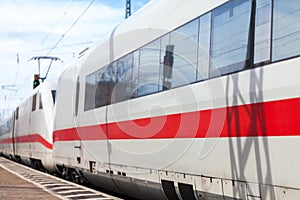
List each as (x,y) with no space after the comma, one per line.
(204,47)
(8,126)
(262,48)
(33,103)
(286,29)
(40,102)
(229,37)
(135,73)
(185,44)
(149,68)
(1,129)
(90,88)
(53,93)
(166,61)
(77,96)
(17,113)
(5,126)
(123,88)
(105,83)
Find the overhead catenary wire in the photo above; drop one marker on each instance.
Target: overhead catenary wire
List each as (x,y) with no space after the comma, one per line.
(55,46)
(63,35)
(63,46)
(44,39)
(20,86)
(60,19)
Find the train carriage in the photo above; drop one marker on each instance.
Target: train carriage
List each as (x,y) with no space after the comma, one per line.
(31,132)
(188,100)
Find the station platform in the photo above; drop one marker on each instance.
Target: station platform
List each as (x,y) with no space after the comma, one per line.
(21,182)
(14,187)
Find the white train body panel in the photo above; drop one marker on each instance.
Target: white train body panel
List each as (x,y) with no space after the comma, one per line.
(235,135)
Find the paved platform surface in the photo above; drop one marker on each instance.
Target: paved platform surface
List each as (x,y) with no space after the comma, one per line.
(14,187)
(21,182)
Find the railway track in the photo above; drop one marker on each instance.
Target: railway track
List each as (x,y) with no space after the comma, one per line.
(57,187)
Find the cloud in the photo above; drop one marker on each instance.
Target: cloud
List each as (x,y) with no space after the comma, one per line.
(33,21)
(25,24)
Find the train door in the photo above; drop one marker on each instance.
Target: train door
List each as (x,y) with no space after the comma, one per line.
(12,136)
(92,118)
(15,131)
(77,143)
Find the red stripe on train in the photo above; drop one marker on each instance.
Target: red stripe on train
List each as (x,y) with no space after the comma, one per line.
(6,141)
(275,118)
(28,139)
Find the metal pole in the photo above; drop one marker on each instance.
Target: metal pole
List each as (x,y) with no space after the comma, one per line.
(39,64)
(128,9)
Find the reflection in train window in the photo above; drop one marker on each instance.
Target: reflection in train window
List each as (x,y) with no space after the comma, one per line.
(40,102)
(185,44)
(217,43)
(53,92)
(17,113)
(90,88)
(105,80)
(148,80)
(286,29)
(204,47)
(229,47)
(166,62)
(5,126)
(123,88)
(135,73)
(262,51)
(33,103)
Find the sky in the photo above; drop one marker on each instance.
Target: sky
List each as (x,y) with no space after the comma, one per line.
(59,28)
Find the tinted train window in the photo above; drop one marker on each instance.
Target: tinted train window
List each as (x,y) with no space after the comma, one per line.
(185,44)
(90,88)
(53,93)
(41,102)
(124,87)
(33,103)
(262,48)
(148,80)
(166,61)
(17,113)
(204,47)
(106,80)
(77,96)
(8,126)
(286,29)
(230,31)
(99,87)
(5,126)
(135,73)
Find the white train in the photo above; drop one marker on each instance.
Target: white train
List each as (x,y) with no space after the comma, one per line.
(28,135)
(188,100)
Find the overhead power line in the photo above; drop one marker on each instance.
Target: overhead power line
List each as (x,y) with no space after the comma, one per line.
(27,78)
(57,47)
(63,35)
(65,13)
